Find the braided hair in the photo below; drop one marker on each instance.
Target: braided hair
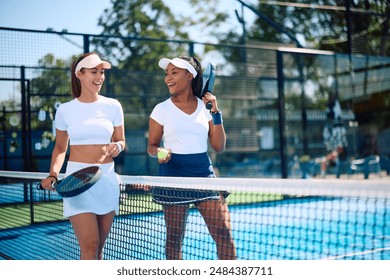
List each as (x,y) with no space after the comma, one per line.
(197,82)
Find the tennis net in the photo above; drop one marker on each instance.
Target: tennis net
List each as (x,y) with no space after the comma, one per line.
(271,219)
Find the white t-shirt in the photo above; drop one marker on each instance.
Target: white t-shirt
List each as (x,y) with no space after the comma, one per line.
(183,133)
(89,123)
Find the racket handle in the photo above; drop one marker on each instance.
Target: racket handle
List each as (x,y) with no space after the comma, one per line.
(130,187)
(209,105)
(39,186)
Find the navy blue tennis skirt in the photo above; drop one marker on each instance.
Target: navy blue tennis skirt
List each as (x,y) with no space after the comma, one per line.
(192,165)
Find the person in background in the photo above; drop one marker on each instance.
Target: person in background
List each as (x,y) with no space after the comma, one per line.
(93,125)
(334,135)
(185,126)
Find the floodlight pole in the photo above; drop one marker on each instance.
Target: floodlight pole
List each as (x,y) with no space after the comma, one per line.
(243,39)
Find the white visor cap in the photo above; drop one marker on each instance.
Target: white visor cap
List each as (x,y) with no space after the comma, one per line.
(91,61)
(178,62)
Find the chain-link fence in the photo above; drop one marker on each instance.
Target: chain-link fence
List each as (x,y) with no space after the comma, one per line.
(273,99)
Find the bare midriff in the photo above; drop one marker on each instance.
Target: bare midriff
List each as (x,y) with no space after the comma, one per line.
(90,154)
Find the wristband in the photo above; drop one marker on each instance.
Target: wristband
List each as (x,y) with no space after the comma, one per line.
(119,146)
(217,117)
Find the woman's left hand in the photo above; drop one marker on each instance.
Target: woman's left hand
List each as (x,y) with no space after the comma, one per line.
(112,150)
(208,97)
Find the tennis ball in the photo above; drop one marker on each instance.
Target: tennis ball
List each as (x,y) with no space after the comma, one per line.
(162,154)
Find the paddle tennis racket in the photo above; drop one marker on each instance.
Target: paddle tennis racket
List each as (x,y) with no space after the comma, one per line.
(77,182)
(208,81)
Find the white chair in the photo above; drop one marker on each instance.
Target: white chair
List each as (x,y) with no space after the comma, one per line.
(367,165)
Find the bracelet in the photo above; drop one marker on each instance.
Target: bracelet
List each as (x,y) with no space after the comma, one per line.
(51,176)
(217,117)
(119,146)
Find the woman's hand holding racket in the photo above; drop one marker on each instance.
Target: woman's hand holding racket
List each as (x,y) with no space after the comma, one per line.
(211,102)
(73,184)
(49,183)
(208,86)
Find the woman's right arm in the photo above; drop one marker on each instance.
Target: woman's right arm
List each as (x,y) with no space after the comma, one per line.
(57,158)
(154,138)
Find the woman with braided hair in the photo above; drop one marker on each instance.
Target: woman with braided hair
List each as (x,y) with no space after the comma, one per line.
(184,126)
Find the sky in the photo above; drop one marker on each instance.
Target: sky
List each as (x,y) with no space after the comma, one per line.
(81,16)
(76,16)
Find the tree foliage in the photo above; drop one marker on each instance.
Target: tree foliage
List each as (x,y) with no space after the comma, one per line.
(53,78)
(133,30)
(326,24)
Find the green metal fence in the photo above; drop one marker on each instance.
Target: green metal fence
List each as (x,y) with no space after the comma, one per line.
(274,103)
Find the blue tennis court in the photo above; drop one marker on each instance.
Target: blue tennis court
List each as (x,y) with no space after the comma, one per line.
(292,229)
(304,229)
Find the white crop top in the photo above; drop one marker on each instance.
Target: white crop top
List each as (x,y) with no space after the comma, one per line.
(89,123)
(183,133)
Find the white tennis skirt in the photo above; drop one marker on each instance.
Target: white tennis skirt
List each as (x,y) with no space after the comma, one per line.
(101,198)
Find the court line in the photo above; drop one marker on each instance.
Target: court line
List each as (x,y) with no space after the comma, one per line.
(357,254)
